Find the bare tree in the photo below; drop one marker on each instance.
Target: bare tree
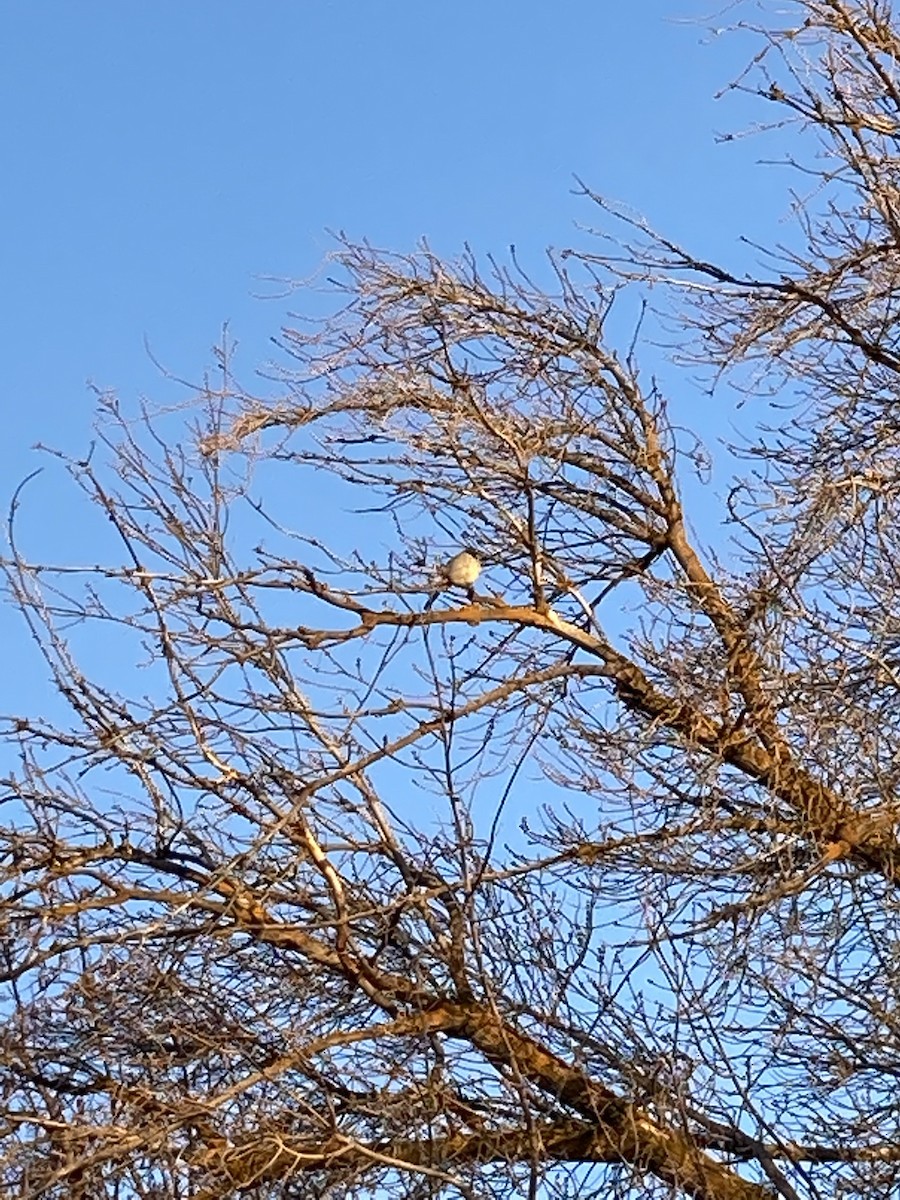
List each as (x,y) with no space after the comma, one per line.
(342,874)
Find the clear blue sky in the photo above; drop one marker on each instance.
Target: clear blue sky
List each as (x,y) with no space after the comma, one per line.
(160,159)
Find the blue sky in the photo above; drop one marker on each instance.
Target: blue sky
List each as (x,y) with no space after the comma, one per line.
(161,161)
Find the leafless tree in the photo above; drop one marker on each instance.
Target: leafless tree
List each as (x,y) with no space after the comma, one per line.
(327,878)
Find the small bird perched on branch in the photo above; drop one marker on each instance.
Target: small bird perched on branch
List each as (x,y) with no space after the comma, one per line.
(460,571)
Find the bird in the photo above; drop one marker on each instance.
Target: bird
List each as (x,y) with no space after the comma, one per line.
(460,571)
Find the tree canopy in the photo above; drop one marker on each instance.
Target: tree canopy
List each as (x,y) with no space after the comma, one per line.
(322,876)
